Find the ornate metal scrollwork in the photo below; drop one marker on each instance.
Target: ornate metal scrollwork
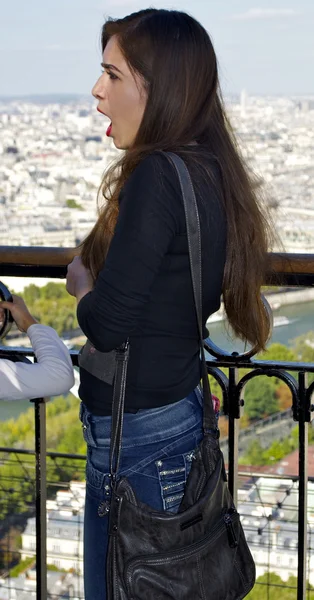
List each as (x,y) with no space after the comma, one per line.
(233,390)
(220,354)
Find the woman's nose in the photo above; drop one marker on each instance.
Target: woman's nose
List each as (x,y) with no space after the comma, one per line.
(98,90)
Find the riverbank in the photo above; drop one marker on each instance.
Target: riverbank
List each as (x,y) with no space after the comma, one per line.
(288,298)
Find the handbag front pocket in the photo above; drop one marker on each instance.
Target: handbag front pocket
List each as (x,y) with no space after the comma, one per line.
(204,570)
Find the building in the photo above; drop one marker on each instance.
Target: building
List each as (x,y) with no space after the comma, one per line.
(268,506)
(269,515)
(65,517)
(59,585)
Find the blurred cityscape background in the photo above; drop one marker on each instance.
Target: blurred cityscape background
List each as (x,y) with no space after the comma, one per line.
(53,151)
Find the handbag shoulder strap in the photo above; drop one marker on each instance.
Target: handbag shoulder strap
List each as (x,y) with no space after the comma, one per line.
(122,353)
(195,256)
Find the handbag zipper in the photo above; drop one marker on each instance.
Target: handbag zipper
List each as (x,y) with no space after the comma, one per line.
(228,519)
(232,538)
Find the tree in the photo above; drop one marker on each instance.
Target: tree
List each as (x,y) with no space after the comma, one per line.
(254,455)
(260,397)
(304,346)
(284,396)
(304,349)
(269,586)
(277,451)
(31,294)
(71,203)
(52,305)
(64,434)
(223,426)
(278,352)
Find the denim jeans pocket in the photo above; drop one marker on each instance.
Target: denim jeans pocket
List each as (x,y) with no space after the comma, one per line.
(173,472)
(96,429)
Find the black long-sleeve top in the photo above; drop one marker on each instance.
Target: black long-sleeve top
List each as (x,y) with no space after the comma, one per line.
(144,290)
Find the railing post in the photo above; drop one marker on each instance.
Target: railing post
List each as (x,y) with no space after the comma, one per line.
(303,486)
(234,427)
(41,497)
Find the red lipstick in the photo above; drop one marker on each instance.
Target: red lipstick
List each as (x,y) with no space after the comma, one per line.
(108,132)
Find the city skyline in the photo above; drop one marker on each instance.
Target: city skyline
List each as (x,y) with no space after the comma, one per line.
(53,48)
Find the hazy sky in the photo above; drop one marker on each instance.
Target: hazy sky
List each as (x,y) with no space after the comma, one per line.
(52,46)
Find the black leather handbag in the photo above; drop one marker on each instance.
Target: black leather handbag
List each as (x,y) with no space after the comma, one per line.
(200,553)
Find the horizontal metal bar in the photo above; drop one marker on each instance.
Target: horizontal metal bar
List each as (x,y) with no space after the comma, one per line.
(285,262)
(50,454)
(26,351)
(83,457)
(267,365)
(227,361)
(290,279)
(37,255)
(60,272)
(19,261)
(48,271)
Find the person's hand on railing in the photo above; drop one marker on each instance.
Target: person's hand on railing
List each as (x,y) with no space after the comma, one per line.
(19,312)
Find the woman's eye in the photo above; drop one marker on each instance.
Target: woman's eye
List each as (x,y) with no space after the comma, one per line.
(111,75)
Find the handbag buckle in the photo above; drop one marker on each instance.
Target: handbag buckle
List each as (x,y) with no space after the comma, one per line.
(213,432)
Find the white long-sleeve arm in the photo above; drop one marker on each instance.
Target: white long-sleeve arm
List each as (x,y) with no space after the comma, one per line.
(50,376)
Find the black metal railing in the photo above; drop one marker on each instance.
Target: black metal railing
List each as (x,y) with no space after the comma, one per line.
(284,269)
(19,509)
(261,494)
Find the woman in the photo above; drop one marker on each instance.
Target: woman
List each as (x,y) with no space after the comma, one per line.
(51,375)
(159,88)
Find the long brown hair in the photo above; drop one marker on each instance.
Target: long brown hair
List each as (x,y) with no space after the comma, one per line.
(175,58)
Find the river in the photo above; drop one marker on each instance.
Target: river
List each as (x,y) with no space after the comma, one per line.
(300,317)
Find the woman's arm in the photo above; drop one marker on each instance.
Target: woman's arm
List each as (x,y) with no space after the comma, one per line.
(52,375)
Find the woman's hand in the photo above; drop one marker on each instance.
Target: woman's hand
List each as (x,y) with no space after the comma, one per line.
(19,312)
(79,279)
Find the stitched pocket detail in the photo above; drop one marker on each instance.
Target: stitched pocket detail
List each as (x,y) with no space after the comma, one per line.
(172,473)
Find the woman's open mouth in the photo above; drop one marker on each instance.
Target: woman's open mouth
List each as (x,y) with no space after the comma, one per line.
(108,132)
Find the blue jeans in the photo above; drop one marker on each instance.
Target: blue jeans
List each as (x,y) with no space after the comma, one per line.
(157,450)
